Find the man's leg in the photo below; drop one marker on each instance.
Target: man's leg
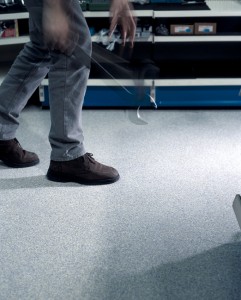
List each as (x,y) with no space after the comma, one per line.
(67,85)
(25,75)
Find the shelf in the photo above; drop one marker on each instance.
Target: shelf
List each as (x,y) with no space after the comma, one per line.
(14,40)
(112,82)
(225,8)
(199,82)
(13,16)
(218,8)
(161,93)
(106,14)
(25,39)
(87,14)
(119,82)
(95,38)
(163,82)
(210,38)
(96,14)
(144,39)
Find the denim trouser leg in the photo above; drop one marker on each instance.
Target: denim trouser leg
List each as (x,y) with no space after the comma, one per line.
(67,85)
(68,77)
(25,75)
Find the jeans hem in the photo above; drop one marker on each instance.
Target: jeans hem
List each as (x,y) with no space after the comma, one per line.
(72,157)
(7,138)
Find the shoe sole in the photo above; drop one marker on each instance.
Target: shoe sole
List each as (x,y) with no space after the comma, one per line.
(19,165)
(64,178)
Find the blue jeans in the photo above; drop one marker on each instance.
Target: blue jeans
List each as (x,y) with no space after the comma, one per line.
(67,74)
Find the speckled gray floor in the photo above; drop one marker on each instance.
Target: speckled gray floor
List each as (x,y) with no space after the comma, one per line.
(166,230)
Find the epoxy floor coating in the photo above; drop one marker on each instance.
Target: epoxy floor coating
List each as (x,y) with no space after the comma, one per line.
(165,230)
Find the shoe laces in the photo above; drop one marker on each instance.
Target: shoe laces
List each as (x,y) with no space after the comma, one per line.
(17,144)
(90,157)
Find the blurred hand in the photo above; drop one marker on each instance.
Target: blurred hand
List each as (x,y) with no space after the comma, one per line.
(121,12)
(57,30)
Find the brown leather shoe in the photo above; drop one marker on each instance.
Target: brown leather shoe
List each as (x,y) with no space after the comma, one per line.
(13,155)
(84,170)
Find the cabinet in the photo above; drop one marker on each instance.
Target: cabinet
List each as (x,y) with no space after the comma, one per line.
(10,47)
(193,70)
(200,70)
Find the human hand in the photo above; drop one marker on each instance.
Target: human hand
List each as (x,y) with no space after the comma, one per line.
(57,30)
(121,12)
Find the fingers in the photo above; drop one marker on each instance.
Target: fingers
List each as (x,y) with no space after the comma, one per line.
(122,14)
(128,28)
(113,24)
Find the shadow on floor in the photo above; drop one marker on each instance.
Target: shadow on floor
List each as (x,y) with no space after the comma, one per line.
(33,182)
(211,275)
